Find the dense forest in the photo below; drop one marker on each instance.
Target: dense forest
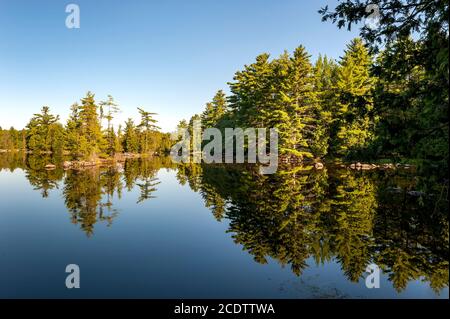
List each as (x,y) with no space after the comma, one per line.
(84,136)
(386,98)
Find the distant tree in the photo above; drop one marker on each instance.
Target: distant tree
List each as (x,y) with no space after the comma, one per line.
(44,133)
(118,140)
(73,128)
(107,110)
(130,137)
(147,128)
(13,139)
(92,142)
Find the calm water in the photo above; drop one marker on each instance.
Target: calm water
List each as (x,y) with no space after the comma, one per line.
(155,230)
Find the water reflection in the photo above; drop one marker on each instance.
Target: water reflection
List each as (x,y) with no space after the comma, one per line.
(392,218)
(353,217)
(89,193)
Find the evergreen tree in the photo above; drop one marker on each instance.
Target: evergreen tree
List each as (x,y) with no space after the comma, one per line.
(214,111)
(307,132)
(281,94)
(147,128)
(73,128)
(44,134)
(107,110)
(130,137)
(354,123)
(118,140)
(12,139)
(413,122)
(415,116)
(250,91)
(91,138)
(325,71)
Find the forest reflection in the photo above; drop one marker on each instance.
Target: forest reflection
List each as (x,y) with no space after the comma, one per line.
(89,194)
(395,219)
(355,218)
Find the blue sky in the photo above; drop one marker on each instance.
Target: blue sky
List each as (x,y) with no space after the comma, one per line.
(168,57)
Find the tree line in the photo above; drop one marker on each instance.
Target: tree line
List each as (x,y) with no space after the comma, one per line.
(385,98)
(318,109)
(83,136)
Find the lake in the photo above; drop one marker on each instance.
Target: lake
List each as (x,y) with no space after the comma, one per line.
(152,229)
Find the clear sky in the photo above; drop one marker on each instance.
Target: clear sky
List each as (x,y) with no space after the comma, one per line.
(168,57)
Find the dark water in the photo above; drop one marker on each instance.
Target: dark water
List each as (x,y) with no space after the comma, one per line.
(155,230)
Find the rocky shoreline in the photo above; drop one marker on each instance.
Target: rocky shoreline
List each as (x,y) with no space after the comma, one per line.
(116,161)
(318,164)
(119,159)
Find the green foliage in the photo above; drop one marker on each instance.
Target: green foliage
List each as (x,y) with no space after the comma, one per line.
(214,111)
(12,139)
(83,136)
(412,77)
(83,130)
(130,137)
(413,111)
(147,128)
(44,133)
(317,110)
(92,140)
(353,123)
(107,110)
(372,104)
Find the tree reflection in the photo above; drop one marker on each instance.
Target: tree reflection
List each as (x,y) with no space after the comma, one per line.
(299,215)
(82,195)
(352,217)
(89,194)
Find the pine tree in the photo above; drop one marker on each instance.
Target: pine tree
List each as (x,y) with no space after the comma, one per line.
(130,137)
(73,128)
(413,123)
(325,72)
(91,137)
(250,92)
(118,140)
(353,129)
(304,109)
(147,127)
(57,137)
(44,135)
(214,111)
(107,110)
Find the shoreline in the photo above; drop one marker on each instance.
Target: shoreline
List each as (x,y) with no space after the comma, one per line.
(282,160)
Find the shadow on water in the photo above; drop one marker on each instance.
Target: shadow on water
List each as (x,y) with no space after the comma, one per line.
(394,218)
